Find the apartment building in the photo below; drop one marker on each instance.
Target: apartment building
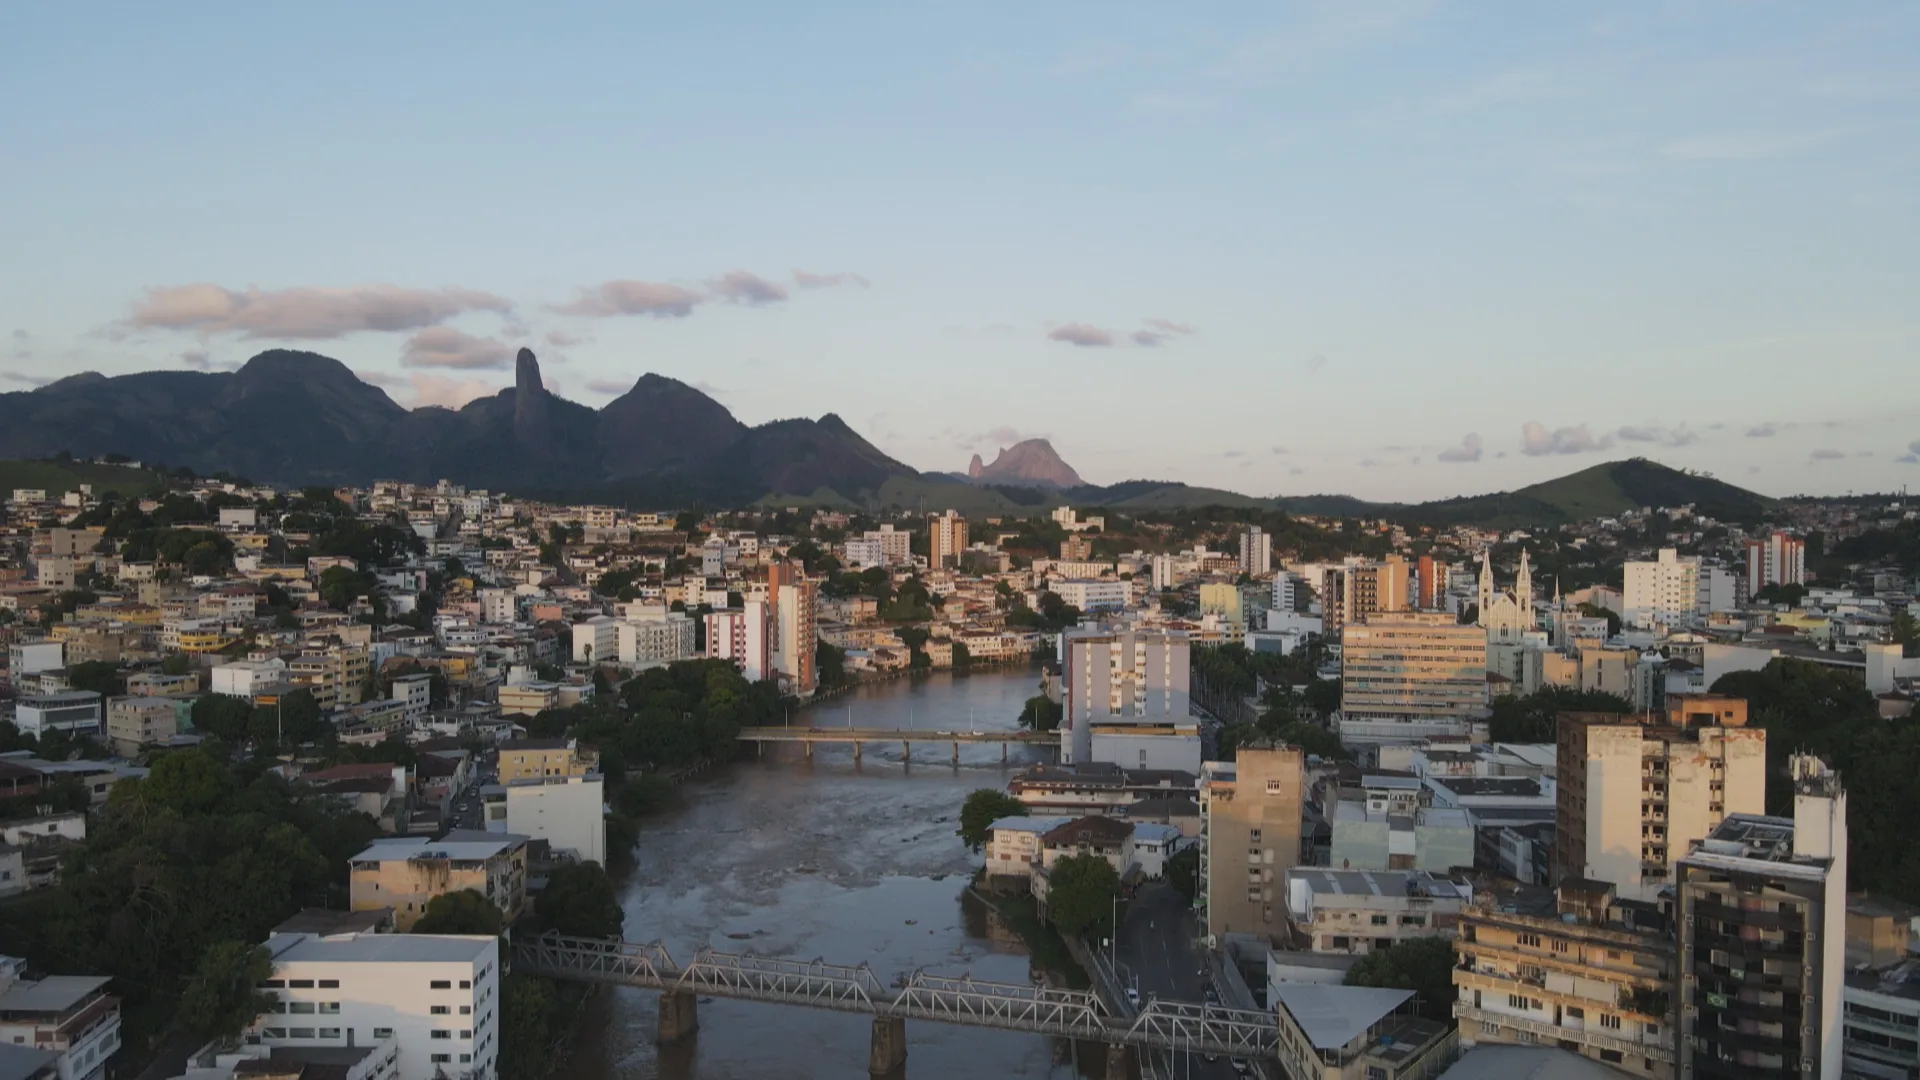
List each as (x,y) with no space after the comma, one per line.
(134,722)
(70,1016)
(946,539)
(1250,812)
(796,611)
(1354,912)
(1409,675)
(1633,792)
(1014,844)
(73,712)
(406,874)
(568,812)
(646,642)
(1093,594)
(1576,968)
(1761,909)
(1663,592)
(1777,559)
(539,759)
(1357,1033)
(1256,552)
(249,679)
(431,1002)
(1125,700)
(741,637)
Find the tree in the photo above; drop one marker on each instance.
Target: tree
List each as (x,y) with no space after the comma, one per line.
(528,1008)
(99,676)
(462,912)
(1595,611)
(579,900)
(1423,965)
(221,716)
(185,781)
(221,999)
(176,664)
(1183,872)
(1041,713)
(962,656)
(1081,890)
(982,808)
(1535,717)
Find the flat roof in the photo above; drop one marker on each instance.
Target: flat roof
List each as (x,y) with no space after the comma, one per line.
(397,848)
(53,994)
(381,948)
(1489,1061)
(1035,825)
(1333,1016)
(1378,882)
(22,1062)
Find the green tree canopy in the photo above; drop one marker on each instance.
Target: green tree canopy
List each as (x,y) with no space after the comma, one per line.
(1423,965)
(464,911)
(982,808)
(1081,890)
(1535,717)
(579,900)
(99,676)
(1041,713)
(1183,872)
(221,999)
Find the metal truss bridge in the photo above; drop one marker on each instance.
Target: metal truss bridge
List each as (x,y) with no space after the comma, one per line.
(1077,1014)
(762,736)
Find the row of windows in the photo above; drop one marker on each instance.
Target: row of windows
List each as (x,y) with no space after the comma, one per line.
(306,1008)
(300,984)
(442,1010)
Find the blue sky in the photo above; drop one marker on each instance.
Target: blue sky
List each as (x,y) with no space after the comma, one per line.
(1399,249)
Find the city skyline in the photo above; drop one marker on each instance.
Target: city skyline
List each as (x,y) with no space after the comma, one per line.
(1180,247)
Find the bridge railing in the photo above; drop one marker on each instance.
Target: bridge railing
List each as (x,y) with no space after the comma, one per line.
(1020,1006)
(762,978)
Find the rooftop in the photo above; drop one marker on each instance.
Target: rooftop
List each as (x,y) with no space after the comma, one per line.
(25,1062)
(1035,825)
(1333,1016)
(1379,883)
(381,948)
(53,994)
(1491,1062)
(457,848)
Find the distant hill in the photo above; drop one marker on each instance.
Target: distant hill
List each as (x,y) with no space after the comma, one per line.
(57,478)
(1028,463)
(1601,491)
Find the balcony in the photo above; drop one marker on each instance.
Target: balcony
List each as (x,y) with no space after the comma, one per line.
(1540,1029)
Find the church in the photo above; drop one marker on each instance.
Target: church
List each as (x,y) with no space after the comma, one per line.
(1506,616)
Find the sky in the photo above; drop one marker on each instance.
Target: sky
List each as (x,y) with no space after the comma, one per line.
(1401,250)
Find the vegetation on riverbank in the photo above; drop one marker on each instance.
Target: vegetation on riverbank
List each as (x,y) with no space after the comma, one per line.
(1020,914)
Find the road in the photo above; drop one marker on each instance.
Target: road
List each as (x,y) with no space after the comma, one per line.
(1159,954)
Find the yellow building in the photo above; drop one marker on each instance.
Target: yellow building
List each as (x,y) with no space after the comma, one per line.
(406,874)
(1411,674)
(529,759)
(1221,598)
(134,722)
(205,641)
(1250,812)
(1576,970)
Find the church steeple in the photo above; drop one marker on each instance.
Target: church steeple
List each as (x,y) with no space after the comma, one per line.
(1523,586)
(1486,586)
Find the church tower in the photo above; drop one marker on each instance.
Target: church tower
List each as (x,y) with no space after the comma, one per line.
(1523,587)
(1486,586)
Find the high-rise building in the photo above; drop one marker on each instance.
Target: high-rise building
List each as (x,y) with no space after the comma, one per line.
(1076,549)
(1779,559)
(796,609)
(1250,813)
(1575,970)
(1117,688)
(1256,552)
(741,636)
(1633,792)
(947,538)
(1665,592)
(1761,907)
(1407,675)
(1163,573)
(1432,584)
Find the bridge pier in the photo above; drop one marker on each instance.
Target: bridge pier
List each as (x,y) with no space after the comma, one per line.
(956,753)
(888,1051)
(906,750)
(856,753)
(1003,753)
(679,1016)
(809,749)
(1119,1062)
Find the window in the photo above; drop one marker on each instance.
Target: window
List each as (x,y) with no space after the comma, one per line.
(329,1033)
(440,984)
(1609,1021)
(383,1033)
(300,1007)
(1560,945)
(466,1058)
(274,984)
(1575,1012)
(442,1059)
(1413,920)
(466,1010)
(300,984)
(440,1033)
(1253,835)
(1611,1056)
(275,1033)
(439,1010)
(329,1008)
(1515,1001)
(300,1033)
(329,984)
(1379,920)
(1652,1029)
(1529,940)
(1253,896)
(466,1033)
(466,984)
(1273,787)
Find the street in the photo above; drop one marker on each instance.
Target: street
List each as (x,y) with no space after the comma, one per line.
(1159,954)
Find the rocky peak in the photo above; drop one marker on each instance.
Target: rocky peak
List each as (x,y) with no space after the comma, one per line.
(975,467)
(532,411)
(1031,462)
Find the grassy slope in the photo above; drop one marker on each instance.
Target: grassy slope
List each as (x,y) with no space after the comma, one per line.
(58,478)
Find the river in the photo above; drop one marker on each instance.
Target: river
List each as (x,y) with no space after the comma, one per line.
(828,859)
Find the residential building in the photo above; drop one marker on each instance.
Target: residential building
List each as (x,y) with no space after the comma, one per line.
(1222,598)
(1256,552)
(1109,838)
(1164,573)
(797,636)
(1154,842)
(1408,675)
(432,1001)
(1110,594)
(896,545)
(655,640)
(34,657)
(1761,908)
(1076,549)
(1368,589)
(250,679)
(415,694)
(71,1016)
(134,722)
(1883,1018)
(568,812)
(1664,592)
(1361,911)
(406,874)
(528,698)
(1098,787)
(75,712)
(946,539)
(596,640)
(1429,838)
(1125,700)
(539,759)
(1357,1033)
(1632,792)
(1250,814)
(1777,559)
(1430,583)
(741,638)
(1576,968)
(1014,847)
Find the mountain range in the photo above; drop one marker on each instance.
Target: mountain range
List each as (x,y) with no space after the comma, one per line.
(299,418)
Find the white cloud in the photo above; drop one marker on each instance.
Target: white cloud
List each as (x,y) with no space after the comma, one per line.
(1470,449)
(634,298)
(1665,436)
(1082,335)
(808,280)
(306,312)
(742,287)
(445,392)
(1536,440)
(445,347)
(1747,146)
(1766,430)
(1826,454)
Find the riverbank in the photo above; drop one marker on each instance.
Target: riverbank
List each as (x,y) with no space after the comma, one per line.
(980,667)
(1018,913)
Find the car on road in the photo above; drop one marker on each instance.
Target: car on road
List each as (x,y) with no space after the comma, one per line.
(1240,1067)
(1133,996)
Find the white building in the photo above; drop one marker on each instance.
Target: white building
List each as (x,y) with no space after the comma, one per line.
(596,640)
(647,637)
(1125,700)
(76,712)
(33,657)
(1779,559)
(415,694)
(497,605)
(741,636)
(568,812)
(1665,592)
(1256,552)
(1164,575)
(437,997)
(67,1015)
(1092,595)
(249,678)
(1359,911)
(896,545)
(233,518)
(1013,844)
(864,552)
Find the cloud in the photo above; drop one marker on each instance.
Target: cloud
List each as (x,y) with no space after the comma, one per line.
(22,336)
(1825,454)
(634,298)
(445,347)
(199,360)
(1279,449)
(1231,454)
(1766,430)
(1912,456)
(306,312)
(1665,436)
(1746,146)
(742,287)
(807,280)
(1001,436)
(26,377)
(1469,449)
(1536,440)
(1159,330)
(1316,362)
(609,386)
(1296,472)
(442,391)
(1082,335)
(380,378)
(560,339)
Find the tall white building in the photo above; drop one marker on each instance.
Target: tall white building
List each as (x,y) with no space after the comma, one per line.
(741,636)
(497,605)
(1125,700)
(568,812)
(1665,592)
(1256,552)
(1779,559)
(435,998)
(1093,595)
(659,637)
(1164,574)
(1284,594)
(895,545)
(596,640)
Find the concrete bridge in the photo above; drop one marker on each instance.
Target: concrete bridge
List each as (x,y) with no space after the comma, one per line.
(761,736)
(1075,1014)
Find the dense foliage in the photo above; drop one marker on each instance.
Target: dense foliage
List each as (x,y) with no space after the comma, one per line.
(1081,890)
(982,808)
(1041,713)
(1423,965)
(1535,717)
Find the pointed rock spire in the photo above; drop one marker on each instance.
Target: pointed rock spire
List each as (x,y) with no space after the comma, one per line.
(532,411)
